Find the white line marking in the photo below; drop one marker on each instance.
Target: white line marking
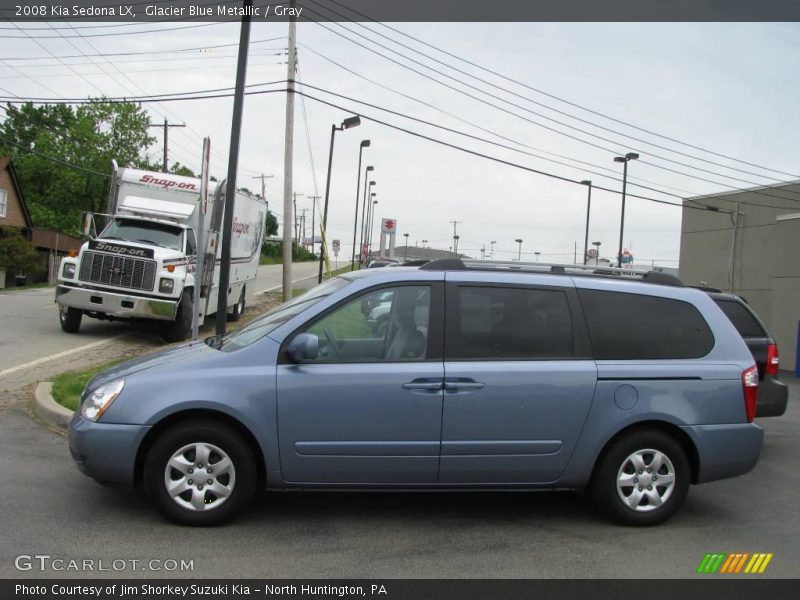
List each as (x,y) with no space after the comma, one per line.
(45,359)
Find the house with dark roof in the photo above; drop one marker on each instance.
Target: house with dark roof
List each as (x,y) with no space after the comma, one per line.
(50,245)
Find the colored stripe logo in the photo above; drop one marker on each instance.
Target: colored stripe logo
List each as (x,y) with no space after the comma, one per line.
(735,563)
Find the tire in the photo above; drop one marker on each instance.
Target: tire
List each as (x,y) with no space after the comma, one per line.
(178,330)
(184,445)
(628,459)
(70,318)
(238,309)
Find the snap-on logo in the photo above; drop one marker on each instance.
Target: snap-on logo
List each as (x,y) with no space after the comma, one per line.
(167,183)
(239,227)
(103,247)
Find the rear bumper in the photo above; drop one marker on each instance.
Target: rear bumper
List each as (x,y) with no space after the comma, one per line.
(117,305)
(725,450)
(773,397)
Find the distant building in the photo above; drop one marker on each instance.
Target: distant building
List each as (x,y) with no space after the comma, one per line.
(748,243)
(51,245)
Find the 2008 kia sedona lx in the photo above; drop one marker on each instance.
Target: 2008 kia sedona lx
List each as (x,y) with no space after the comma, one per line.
(481,376)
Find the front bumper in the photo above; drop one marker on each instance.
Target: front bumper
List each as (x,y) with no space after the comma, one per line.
(725,450)
(773,397)
(105,451)
(117,305)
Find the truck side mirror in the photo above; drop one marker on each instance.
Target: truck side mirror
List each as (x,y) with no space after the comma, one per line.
(304,346)
(87,225)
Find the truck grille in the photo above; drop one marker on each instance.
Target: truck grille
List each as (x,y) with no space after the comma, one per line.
(119,271)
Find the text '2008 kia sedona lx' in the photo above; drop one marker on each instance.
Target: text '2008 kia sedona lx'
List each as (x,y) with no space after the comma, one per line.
(484,377)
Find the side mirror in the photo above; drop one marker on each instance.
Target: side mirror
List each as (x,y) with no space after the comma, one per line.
(304,346)
(87,225)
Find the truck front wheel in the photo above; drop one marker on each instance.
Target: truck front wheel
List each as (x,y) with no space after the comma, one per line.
(70,318)
(177,330)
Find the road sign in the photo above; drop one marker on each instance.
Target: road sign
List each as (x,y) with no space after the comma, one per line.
(337,244)
(388,225)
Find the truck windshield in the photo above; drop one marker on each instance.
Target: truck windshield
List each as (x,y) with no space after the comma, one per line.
(144,232)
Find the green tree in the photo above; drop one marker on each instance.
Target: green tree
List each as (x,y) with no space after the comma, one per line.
(16,253)
(88,136)
(272,224)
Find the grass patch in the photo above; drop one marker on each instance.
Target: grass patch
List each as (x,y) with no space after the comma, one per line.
(298,292)
(67,387)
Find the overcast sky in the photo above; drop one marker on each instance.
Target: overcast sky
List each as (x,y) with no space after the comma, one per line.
(729,88)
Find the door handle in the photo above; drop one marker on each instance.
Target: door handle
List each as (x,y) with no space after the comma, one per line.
(463,384)
(423,385)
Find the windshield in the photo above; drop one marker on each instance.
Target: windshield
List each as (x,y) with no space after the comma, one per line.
(144,232)
(279,315)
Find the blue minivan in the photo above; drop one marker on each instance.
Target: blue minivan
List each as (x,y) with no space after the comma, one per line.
(487,376)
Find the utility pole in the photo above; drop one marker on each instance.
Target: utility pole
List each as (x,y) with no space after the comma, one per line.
(166,127)
(288,150)
(455,235)
(303,226)
(262,177)
(294,210)
(313,214)
(233,163)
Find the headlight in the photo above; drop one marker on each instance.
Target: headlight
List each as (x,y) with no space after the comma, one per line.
(100,399)
(68,272)
(166,285)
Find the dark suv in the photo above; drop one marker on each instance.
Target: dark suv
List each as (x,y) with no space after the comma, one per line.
(772,394)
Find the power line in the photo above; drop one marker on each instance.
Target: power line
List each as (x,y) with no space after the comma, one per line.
(205,57)
(114,34)
(163,51)
(553,96)
(549,128)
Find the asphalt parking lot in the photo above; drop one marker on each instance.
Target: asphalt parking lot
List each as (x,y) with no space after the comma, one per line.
(49,508)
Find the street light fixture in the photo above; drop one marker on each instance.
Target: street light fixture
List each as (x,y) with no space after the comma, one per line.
(519,253)
(364,144)
(625,160)
(348,123)
(588,183)
(364,210)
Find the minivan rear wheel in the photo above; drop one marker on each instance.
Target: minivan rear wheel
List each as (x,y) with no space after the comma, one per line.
(641,479)
(200,472)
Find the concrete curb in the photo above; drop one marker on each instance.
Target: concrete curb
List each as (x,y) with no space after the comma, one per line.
(47,409)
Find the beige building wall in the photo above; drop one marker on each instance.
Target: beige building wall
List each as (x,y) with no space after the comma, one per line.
(755,253)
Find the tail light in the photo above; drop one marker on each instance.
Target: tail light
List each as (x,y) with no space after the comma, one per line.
(750,387)
(773,360)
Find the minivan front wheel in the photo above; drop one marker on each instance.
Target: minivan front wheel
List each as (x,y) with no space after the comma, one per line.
(642,479)
(200,473)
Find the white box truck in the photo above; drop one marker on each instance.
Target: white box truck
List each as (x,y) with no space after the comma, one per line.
(142,265)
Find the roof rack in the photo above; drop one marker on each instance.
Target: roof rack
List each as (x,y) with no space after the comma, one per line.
(646,275)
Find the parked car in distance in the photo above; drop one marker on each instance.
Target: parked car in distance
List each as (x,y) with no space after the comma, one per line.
(382,262)
(483,379)
(773,396)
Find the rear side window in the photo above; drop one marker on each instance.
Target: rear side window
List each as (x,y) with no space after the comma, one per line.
(742,318)
(634,327)
(504,323)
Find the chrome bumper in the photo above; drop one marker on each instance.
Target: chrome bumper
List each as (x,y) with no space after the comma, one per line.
(117,305)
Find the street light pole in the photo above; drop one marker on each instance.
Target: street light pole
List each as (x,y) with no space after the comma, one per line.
(625,160)
(597,246)
(537,255)
(364,212)
(364,144)
(405,252)
(519,252)
(346,124)
(492,243)
(371,221)
(588,210)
